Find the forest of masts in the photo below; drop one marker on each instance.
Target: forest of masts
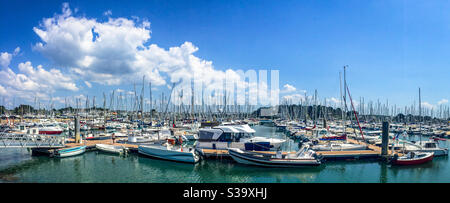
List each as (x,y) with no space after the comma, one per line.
(138,106)
(134,106)
(311,107)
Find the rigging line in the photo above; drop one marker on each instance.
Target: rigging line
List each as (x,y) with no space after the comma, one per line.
(354,112)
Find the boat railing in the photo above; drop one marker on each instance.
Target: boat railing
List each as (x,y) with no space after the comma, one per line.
(17,140)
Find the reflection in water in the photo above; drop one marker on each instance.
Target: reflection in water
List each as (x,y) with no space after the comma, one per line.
(18,166)
(383,173)
(9,174)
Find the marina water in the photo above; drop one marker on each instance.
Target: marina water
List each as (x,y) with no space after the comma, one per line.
(17,165)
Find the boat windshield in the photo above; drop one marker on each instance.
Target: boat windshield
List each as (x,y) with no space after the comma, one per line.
(430,145)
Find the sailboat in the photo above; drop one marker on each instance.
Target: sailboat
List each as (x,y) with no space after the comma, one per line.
(413,158)
(428,146)
(338,147)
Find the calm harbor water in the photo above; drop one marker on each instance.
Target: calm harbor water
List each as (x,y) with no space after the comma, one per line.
(17,165)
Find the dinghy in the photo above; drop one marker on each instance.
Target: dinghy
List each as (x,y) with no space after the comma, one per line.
(169,152)
(413,158)
(111,148)
(303,158)
(70,151)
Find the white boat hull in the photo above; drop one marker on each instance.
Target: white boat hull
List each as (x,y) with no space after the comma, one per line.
(171,155)
(65,153)
(341,148)
(110,148)
(239,145)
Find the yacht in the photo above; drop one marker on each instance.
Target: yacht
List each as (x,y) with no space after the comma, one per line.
(49,129)
(235,136)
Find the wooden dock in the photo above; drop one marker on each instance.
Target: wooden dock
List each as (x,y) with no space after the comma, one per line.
(90,145)
(217,153)
(372,151)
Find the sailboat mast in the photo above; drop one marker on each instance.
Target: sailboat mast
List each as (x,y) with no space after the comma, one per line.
(340,88)
(420,117)
(151,106)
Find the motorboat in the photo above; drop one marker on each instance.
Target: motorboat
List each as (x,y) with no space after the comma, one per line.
(413,158)
(235,136)
(303,158)
(169,152)
(115,149)
(50,129)
(43,128)
(70,151)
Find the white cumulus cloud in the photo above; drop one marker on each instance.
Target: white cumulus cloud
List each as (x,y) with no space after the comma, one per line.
(288,88)
(427,105)
(442,101)
(33,82)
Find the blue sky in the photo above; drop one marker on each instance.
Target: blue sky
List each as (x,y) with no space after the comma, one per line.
(391,47)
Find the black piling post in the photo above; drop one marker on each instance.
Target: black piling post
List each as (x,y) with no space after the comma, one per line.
(77,130)
(385,140)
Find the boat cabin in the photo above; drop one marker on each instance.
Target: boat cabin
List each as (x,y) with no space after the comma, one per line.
(225,133)
(429,145)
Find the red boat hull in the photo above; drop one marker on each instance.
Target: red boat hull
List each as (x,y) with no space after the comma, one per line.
(50,132)
(414,162)
(437,138)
